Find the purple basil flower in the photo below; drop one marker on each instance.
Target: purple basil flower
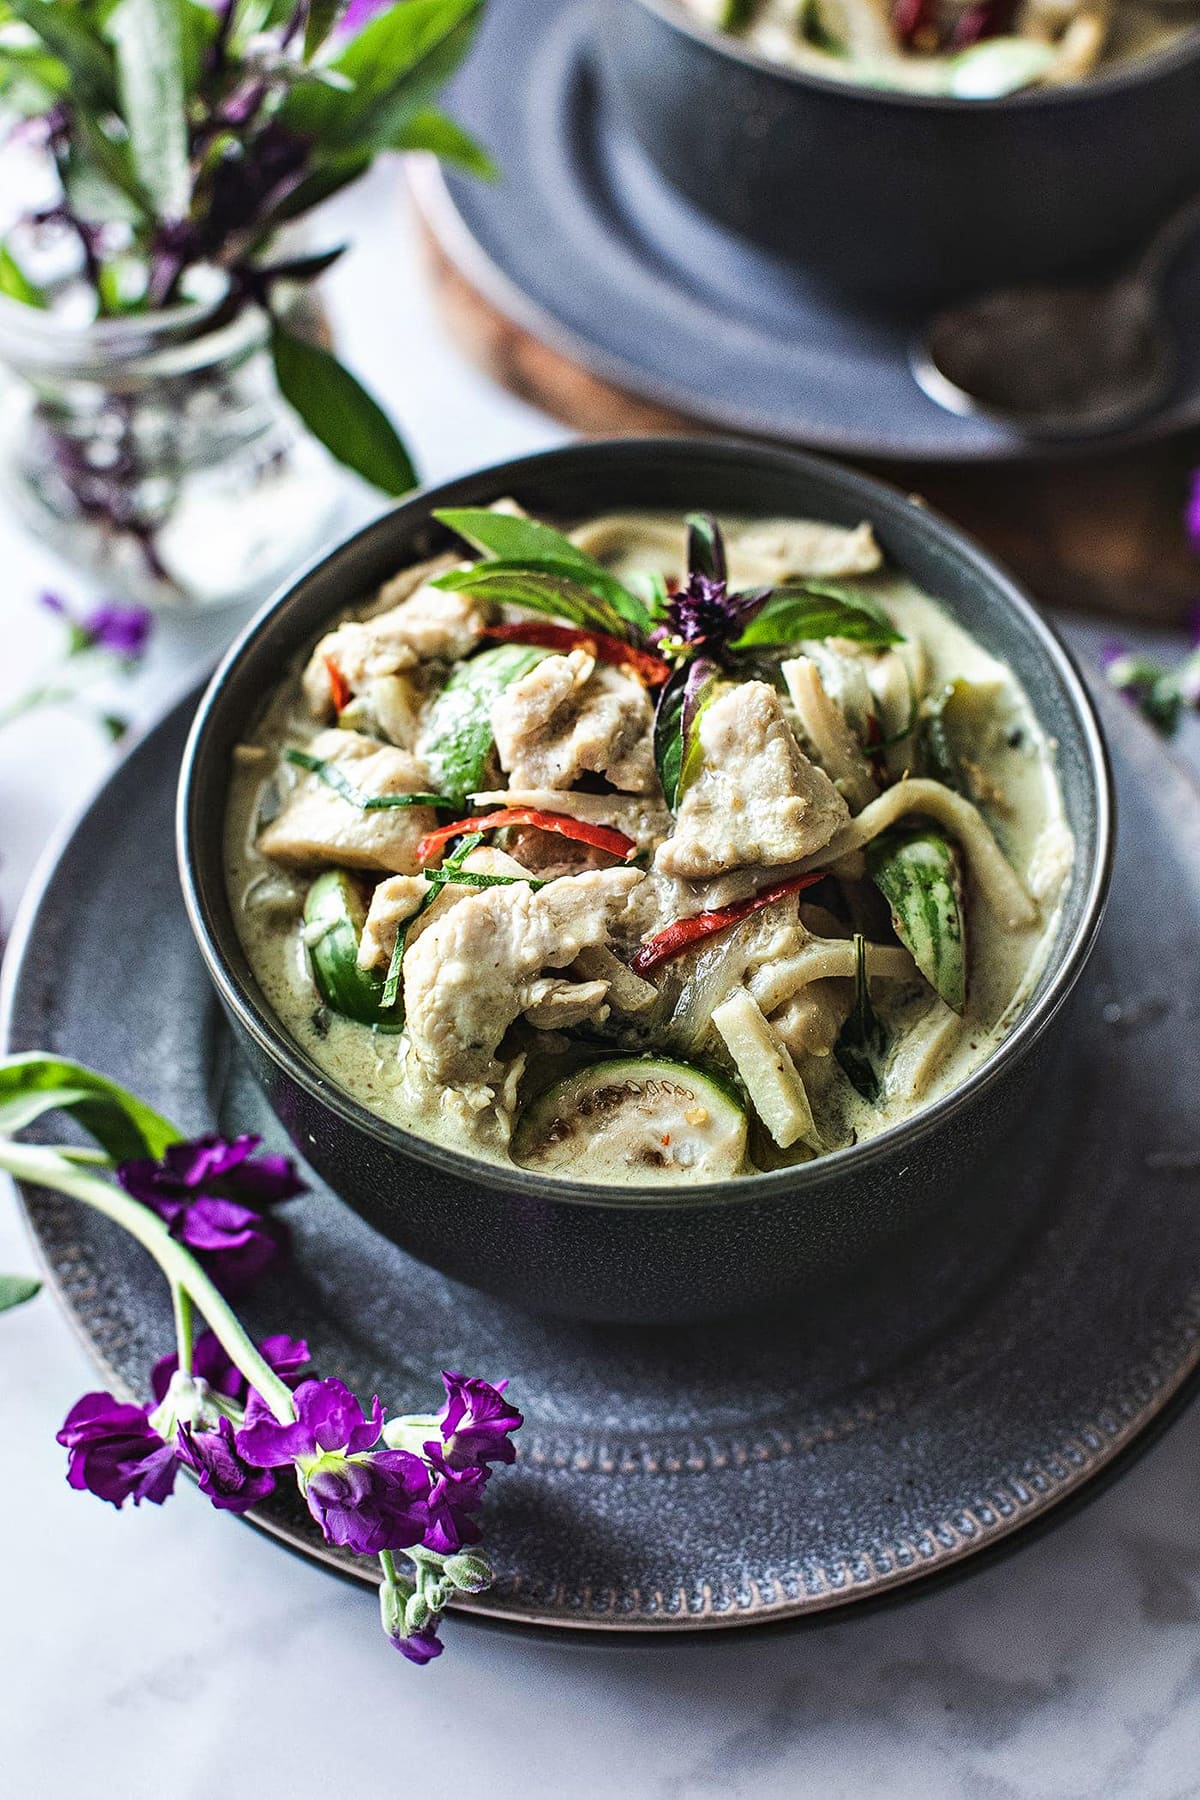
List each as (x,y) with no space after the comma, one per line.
(366,1498)
(358,14)
(125,630)
(209,1191)
(231,1484)
(115,1452)
(476,1422)
(286,1355)
(419,1647)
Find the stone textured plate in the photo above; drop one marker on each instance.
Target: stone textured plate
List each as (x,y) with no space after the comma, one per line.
(726,1475)
(583,244)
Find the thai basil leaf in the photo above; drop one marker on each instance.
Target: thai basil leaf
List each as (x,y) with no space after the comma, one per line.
(340,413)
(817,609)
(528,544)
(394,66)
(123,1125)
(552,589)
(920,877)
(458,740)
(432,130)
(329,176)
(15,283)
(650,587)
(148,35)
(322,17)
(706,547)
(333,777)
(862,1045)
(16,1289)
(681,702)
(69,35)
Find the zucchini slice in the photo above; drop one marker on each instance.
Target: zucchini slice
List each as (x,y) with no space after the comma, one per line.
(920,877)
(334,913)
(641,1118)
(457,740)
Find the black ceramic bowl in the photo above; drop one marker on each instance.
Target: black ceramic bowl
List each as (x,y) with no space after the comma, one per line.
(650,1254)
(900,195)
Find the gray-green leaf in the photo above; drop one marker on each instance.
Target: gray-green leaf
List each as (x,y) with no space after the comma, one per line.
(920,877)
(432,130)
(340,413)
(16,1289)
(817,609)
(148,36)
(517,543)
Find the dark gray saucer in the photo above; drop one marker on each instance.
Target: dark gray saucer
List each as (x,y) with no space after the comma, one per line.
(683,1480)
(583,243)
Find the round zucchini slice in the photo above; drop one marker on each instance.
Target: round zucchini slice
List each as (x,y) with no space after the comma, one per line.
(641,1118)
(333,920)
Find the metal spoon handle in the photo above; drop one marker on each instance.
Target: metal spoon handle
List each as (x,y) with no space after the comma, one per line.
(1170,238)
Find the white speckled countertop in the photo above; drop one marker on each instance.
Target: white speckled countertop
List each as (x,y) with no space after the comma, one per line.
(178,1655)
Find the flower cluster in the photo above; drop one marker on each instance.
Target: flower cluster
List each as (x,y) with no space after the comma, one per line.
(94,640)
(1161,693)
(211,1193)
(239,1415)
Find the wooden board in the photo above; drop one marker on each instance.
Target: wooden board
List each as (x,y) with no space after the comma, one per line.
(1102,535)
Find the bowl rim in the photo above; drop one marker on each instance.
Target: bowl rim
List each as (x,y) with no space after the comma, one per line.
(881,501)
(1132,74)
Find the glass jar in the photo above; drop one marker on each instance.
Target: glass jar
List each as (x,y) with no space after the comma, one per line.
(155,451)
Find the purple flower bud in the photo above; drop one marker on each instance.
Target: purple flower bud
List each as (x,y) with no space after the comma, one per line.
(286,1355)
(209,1191)
(231,1484)
(1192,513)
(115,1453)
(476,1421)
(125,630)
(421,1645)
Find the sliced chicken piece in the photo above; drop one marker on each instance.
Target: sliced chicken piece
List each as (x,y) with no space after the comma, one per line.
(826,730)
(428,626)
(809,1023)
(486,860)
(552,1003)
(757,799)
(393,901)
(571,717)
(319,827)
(474,971)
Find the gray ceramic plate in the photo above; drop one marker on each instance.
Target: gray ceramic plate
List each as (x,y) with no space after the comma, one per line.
(583,243)
(727,1475)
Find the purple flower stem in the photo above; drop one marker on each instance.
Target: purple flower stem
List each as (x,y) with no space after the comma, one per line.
(45,1167)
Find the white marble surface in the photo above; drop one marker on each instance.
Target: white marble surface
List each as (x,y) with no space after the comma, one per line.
(176,1654)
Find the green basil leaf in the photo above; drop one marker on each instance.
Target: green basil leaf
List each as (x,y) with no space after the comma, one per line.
(919,874)
(705,547)
(668,735)
(16,1289)
(556,594)
(521,543)
(432,130)
(340,413)
(148,35)
(15,283)
(862,1045)
(817,609)
(69,34)
(322,17)
(329,176)
(395,66)
(33,1084)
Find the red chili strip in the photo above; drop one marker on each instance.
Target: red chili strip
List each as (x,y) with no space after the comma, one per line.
(339,687)
(651,670)
(685,933)
(600,837)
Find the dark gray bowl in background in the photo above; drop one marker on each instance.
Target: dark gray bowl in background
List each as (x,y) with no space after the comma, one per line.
(898,195)
(655,1255)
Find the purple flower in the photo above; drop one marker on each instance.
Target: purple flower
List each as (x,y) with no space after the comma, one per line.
(363,1497)
(115,1451)
(286,1355)
(419,1647)
(476,1422)
(455,1498)
(209,1191)
(125,630)
(1192,512)
(358,14)
(231,1484)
